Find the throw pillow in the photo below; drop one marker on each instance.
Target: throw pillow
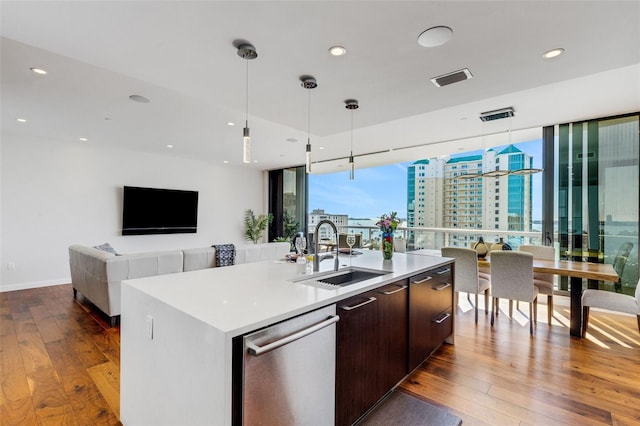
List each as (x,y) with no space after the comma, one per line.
(106,247)
(225,254)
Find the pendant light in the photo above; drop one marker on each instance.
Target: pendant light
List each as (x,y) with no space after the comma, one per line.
(351,104)
(247,52)
(497,173)
(308,82)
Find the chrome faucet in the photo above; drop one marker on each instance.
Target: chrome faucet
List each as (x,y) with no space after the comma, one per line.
(316,243)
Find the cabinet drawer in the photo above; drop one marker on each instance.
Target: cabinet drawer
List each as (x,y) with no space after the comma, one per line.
(437,288)
(441,327)
(437,275)
(441,296)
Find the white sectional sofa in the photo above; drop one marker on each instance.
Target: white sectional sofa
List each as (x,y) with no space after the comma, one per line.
(98,274)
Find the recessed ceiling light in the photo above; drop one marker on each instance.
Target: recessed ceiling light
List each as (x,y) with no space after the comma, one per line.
(322,147)
(337,51)
(230,123)
(435,36)
(21,120)
(553,53)
(38,70)
(84,139)
(169,146)
(255,161)
(139,98)
(226,161)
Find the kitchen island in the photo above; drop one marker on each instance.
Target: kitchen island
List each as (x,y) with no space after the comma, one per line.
(177,330)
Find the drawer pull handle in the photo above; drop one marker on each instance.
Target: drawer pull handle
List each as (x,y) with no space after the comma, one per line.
(402,287)
(441,318)
(444,271)
(442,286)
(424,280)
(366,302)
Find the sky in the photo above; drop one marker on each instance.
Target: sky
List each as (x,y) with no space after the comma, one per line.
(383,189)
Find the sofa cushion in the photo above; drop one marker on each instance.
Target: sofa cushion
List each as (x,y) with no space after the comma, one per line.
(154,263)
(199,258)
(106,247)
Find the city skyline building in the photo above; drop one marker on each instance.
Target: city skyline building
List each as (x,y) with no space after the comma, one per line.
(317,215)
(469,192)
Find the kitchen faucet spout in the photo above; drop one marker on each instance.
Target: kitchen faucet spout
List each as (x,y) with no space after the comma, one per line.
(316,239)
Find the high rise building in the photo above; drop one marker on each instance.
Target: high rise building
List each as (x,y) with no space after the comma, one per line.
(424,199)
(456,193)
(316,215)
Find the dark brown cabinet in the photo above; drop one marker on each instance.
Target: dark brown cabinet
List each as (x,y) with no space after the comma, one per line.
(371,351)
(393,333)
(385,333)
(430,312)
(356,362)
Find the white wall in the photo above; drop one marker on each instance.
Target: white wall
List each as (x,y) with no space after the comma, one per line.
(55,193)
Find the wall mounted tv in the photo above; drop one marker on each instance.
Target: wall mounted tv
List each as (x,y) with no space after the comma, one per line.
(159,211)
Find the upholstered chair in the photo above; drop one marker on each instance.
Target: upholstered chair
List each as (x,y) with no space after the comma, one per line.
(544,282)
(399,245)
(620,262)
(512,278)
(467,278)
(611,301)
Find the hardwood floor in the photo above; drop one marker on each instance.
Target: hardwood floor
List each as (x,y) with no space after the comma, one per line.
(59,364)
(504,376)
(59,360)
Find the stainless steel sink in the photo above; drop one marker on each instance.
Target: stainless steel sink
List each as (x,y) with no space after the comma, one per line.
(341,278)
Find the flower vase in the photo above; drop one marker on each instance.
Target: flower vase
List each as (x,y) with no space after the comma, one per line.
(387,245)
(501,245)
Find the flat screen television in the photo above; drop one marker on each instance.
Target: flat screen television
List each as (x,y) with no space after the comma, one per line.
(159,211)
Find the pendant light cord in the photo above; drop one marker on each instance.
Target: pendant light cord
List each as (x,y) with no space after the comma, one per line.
(246,119)
(309,117)
(352,133)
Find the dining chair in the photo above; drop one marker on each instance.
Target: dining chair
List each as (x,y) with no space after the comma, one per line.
(399,245)
(467,278)
(611,301)
(544,282)
(512,278)
(620,262)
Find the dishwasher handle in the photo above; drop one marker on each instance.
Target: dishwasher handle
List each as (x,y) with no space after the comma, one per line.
(256,350)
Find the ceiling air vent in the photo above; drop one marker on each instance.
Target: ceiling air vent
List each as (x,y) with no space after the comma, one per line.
(452,77)
(497,114)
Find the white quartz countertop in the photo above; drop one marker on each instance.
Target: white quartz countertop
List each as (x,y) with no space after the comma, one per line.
(241,298)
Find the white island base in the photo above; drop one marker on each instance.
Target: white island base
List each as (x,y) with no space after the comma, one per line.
(177,330)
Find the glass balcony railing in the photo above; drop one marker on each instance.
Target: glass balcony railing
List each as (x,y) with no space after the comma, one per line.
(436,238)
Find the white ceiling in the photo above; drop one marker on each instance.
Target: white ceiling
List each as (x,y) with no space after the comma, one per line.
(180,54)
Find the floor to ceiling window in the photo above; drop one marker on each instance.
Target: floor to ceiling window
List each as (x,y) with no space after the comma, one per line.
(592,200)
(597,195)
(287,202)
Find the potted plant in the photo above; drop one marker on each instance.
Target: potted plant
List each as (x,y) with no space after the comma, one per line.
(254,226)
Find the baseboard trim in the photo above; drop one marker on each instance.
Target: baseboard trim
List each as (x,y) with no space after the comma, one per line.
(35,284)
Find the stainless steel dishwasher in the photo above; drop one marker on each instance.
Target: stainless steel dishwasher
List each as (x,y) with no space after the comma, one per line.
(285,373)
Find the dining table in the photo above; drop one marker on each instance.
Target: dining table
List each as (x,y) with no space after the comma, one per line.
(575,270)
